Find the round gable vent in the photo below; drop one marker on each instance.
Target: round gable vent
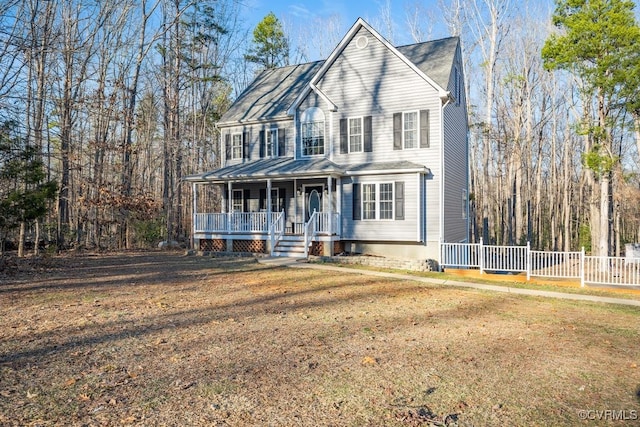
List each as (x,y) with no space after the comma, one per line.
(362,42)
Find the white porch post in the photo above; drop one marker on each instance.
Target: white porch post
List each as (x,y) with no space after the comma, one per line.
(419,211)
(268,207)
(229,205)
(329,194)
(295,206)
(194,191)
(339,205)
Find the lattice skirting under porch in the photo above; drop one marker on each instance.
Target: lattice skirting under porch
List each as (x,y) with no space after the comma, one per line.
(213,245)
(317,248)
(252,246)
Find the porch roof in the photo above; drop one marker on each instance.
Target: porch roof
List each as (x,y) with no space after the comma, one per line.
(283,167)
(289,168)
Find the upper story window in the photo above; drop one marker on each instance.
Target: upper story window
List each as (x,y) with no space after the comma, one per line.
(236,146)
(411,130)
(271,142)
(457,85)
(312,132)
(355,135)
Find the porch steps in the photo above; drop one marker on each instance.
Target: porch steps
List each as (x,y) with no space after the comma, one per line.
(290,246)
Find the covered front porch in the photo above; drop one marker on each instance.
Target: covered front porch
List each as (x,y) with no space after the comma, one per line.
(271,212)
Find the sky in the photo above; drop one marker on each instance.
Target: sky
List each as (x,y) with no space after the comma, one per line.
(297,11)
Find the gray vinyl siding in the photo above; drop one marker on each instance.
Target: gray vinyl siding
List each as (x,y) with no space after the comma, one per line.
(375,82)
(382,230)
(456,164)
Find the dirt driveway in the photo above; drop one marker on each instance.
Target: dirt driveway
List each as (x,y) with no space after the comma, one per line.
(163,339)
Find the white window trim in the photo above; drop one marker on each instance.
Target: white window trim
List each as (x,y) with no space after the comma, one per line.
(233,135)
(417,141)
(361,118)
(234,198)
(302,124)
(377,202)
(274,142)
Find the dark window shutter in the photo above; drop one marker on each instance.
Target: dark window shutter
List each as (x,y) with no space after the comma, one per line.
(282,142)
(357,214)
(263,199)
(399,200)
(246,195)
(227,146)
(424,128)
(368,134)
(245,145)
(262,142)
(397,131)
(344,137)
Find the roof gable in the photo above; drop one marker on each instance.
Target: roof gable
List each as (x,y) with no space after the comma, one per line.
(417,53)
(276,93)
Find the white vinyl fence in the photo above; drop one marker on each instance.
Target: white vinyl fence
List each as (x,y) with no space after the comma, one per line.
(614,271)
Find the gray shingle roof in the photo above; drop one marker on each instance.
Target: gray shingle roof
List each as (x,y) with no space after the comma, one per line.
(433,58)
(271,93)
(287,167)
(283,167)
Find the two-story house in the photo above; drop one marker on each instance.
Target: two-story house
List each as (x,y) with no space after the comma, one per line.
(364,152)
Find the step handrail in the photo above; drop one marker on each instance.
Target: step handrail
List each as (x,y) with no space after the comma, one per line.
(277,231)
(310,229)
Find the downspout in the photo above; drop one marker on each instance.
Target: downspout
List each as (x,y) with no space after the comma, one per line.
(446,98)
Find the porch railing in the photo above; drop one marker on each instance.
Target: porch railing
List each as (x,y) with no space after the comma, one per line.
(236,222)
(277,231)
(326,223)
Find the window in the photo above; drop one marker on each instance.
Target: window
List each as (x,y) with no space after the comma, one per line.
(236,146)
(355,135)
(237,202)
(312,138)
(377,201)
(271,142)
(410,130)
(312,131)
(368,201)
(383,201)
(457,89)
(386,201)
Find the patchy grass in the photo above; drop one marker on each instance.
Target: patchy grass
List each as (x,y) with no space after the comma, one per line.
(162,339)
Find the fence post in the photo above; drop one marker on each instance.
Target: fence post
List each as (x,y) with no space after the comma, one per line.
(528,260)
(582,267)
(481,256)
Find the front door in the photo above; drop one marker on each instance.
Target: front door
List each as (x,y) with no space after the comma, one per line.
(313,200)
